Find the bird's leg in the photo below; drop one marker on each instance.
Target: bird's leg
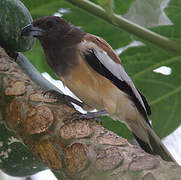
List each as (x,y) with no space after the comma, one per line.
(77,115)
(63,98)
(90,115)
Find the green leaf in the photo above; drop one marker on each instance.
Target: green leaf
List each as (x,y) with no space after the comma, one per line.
(15,157)
(117,127)
(162,91)
(120,7)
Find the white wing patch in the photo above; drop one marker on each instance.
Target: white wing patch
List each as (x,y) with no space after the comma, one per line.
(118,71)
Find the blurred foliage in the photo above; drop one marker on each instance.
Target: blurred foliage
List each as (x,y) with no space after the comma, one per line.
(162,91)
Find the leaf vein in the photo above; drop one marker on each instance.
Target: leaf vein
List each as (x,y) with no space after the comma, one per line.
(165,96)
(178,58)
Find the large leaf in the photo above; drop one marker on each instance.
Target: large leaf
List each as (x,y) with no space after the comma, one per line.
(163,91)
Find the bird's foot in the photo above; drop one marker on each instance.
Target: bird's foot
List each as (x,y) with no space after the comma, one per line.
(90,115)
(62,97)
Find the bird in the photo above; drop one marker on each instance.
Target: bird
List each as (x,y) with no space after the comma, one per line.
(91,69)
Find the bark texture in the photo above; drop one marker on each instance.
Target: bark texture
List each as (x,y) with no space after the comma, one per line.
(72,149)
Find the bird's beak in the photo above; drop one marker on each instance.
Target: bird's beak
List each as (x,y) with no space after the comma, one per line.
(30,30)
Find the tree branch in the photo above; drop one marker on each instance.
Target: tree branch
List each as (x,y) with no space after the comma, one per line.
(127,25)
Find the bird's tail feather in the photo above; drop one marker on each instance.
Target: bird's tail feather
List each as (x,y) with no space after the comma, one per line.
(149,141)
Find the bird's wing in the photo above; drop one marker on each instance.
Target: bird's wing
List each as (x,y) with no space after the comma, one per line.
(102,58)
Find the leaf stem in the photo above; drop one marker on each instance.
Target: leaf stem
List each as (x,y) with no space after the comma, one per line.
(128,26)
(34,74)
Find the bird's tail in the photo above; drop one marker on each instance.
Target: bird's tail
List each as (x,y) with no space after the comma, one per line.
(149,141)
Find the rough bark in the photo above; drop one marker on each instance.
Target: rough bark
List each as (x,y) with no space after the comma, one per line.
(72,149)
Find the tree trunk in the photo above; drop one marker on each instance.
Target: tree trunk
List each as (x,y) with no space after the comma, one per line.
(71,148)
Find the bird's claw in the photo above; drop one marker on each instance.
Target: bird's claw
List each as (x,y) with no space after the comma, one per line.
(62,97)
(89,116)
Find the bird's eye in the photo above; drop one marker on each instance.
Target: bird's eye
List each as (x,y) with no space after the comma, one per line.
(49,24)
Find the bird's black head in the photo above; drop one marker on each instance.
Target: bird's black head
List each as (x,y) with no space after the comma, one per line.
(46,27)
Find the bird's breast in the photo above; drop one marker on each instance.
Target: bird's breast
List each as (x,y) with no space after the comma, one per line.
(85,84)
(98,92)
